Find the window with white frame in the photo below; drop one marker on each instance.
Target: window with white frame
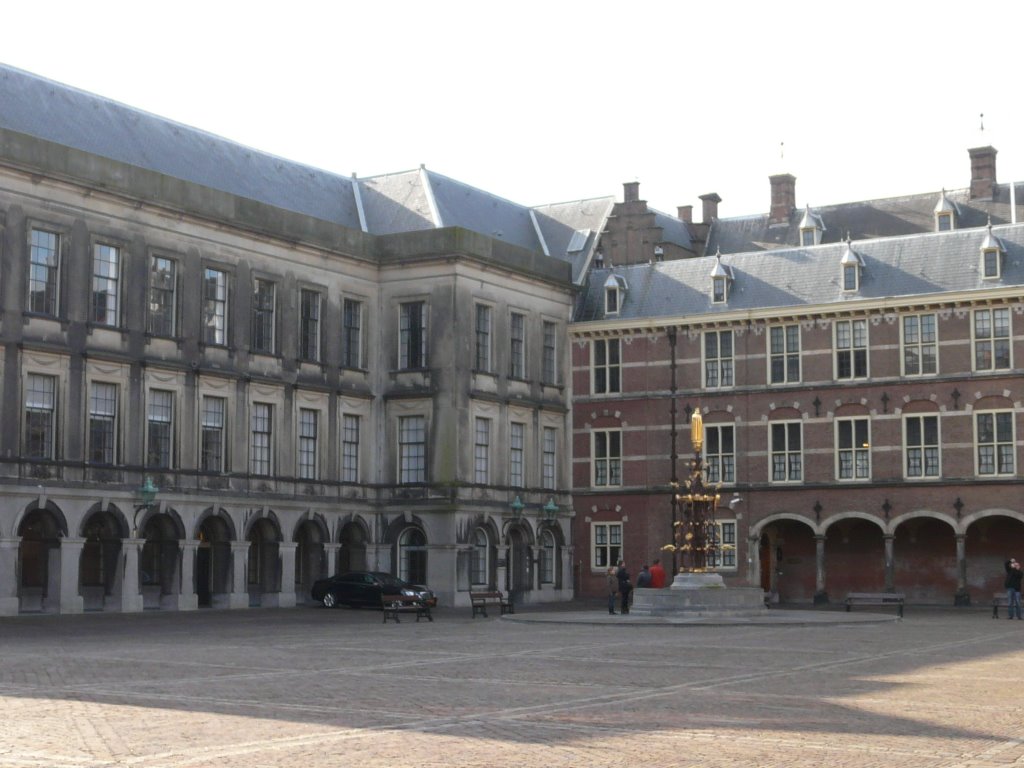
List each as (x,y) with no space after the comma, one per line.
(44,272)
(851,277)
(215,306)
(160,429)
(990,263)
(482,359)
(921,446)
(719,289)
(784,354)
(920,345)
(412,449)
(350,448)
(102,423)
(412,335)
(264,309)
(607,366)
(548,371)
(211,439)
(787,451)
(611,298)
(40,416)
(996,444)
(309,325)
(548,463)
(547,557)
(607,538)
(723,535)
(607,457)
(516,454)
(308,441)
(851,340)
(479,558)
(261,434)
(991,339)
(352,334)
(718,359)
(482,451)
(412,556)
(944,221)
(517,346)
(720,453)
(853,449)
(106,281)
(163,288)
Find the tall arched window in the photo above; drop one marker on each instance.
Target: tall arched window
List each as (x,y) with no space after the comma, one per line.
(547,557)
(478,569)
(412,556)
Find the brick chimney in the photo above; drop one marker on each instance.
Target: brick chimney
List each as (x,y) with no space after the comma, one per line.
(783,198)
(983,172)
(631,191)
(685,213)
(710,212)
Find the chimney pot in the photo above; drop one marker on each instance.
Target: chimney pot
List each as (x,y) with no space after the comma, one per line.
(983,172)
(710,212)
(783,198)
(631,191)
(685,213)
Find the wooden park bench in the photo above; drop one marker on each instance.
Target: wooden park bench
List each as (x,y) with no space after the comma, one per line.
(480,601)
(999,599)
(876,598)
(396,604)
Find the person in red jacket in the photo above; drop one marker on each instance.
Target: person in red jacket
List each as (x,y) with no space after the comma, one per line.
(657,575)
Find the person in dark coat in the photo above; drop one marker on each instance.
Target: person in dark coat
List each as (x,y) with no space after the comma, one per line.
(613,589)
(643,579)
(625,587)
(1013,584)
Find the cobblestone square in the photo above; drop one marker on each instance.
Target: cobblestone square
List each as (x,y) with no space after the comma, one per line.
(310,687)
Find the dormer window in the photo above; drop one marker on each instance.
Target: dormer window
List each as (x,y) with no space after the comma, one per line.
(991,256)
(945,214)
(614,293)
(851,266)
(806,237)
(944,222)
(721,276)
(811,228)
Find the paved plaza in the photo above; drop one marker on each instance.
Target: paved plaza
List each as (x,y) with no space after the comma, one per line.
(310,687)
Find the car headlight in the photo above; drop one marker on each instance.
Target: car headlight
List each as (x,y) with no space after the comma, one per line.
(409,593)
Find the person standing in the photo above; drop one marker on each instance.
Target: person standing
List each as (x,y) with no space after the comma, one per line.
(1013,584)
(625,587)
(657,575)
(643,579)
(613,589)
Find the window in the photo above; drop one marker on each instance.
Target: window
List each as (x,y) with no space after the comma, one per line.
(718,359)
(261,429)
(607,366)
(851,277)
(920,345)
(547,557)
(516,451)
(163,284)
(784,354)
(309,325)
(211,447)
(40,412)
(548,372)
(106,277)
(478,565)
(787,451)
(994,438)
(608,457)
(611,300)
(352,334)
(483,338)
(720,453)
(719,290)
(517,346)
(851,349)
(921,446)
(308,421)
(723,534)
(215,306)
(412,336)
(853,449)
(412,556)
(944,221)
(607,538)
(264,307)
(482,451)
(548,459)
(990,262)
(412,449)
(44,272)
(350,449)
(160,423)
(991,339)
(807,237)
(102,423)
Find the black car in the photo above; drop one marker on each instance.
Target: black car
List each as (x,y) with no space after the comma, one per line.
(357,588)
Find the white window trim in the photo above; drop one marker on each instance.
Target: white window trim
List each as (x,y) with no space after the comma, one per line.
(707,454)
(835,429)
(787,453)
(488,364)
(1013,442)
(594,459)
(607,367)
(611,560)
(734,545)
(919,344)
(867,350)
(906,448)
(974,339)
(998,261)
(785,354)
(704,361)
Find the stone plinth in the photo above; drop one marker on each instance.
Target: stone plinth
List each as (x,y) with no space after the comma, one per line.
(698,601)
(697,581)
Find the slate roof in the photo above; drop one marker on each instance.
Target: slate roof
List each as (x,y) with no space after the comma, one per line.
(793,279)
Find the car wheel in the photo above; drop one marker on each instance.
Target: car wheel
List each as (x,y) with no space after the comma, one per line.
(329,601)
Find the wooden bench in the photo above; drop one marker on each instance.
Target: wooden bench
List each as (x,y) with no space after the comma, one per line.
(999,599)
(876,598)
(480,601)
(396,604)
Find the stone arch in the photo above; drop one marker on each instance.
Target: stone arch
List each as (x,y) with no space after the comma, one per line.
(40,530)
(853,515)
(785,543)
(120,523)
(854,553)
(215,530)
(169,513)
(758,527)
(967,520)
(923,551)
(99,573)
(897,521)
(257,518)
(482,536)
(310,534)
(991,537)
(411,554)
(399,523)
(354,537)
(51,508)
(217,513)
(550,543)
(264,567)
(159,563)
(520,540)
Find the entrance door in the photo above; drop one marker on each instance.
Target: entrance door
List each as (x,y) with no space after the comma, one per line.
(520,570)
(203,592)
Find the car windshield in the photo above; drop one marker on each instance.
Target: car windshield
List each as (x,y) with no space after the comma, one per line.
(387,578)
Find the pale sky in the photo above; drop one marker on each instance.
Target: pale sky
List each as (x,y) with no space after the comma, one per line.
(551,101)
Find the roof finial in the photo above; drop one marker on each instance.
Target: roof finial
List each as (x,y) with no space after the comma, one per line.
(981,117)
(782,150)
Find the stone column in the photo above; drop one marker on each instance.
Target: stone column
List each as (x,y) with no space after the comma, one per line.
(501,571)
(754,561)
(286,555)
(889,576)
(961,597)
(239,597)
(820,595)
(131,595)
(565,578)
(331,554)
(70,557)
(9,603)
(187,599)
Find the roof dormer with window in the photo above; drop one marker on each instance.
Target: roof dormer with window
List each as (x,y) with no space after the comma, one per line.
(946,213)
(721,279)
(614,294)
(811,228)
(992,251)
(851,266)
